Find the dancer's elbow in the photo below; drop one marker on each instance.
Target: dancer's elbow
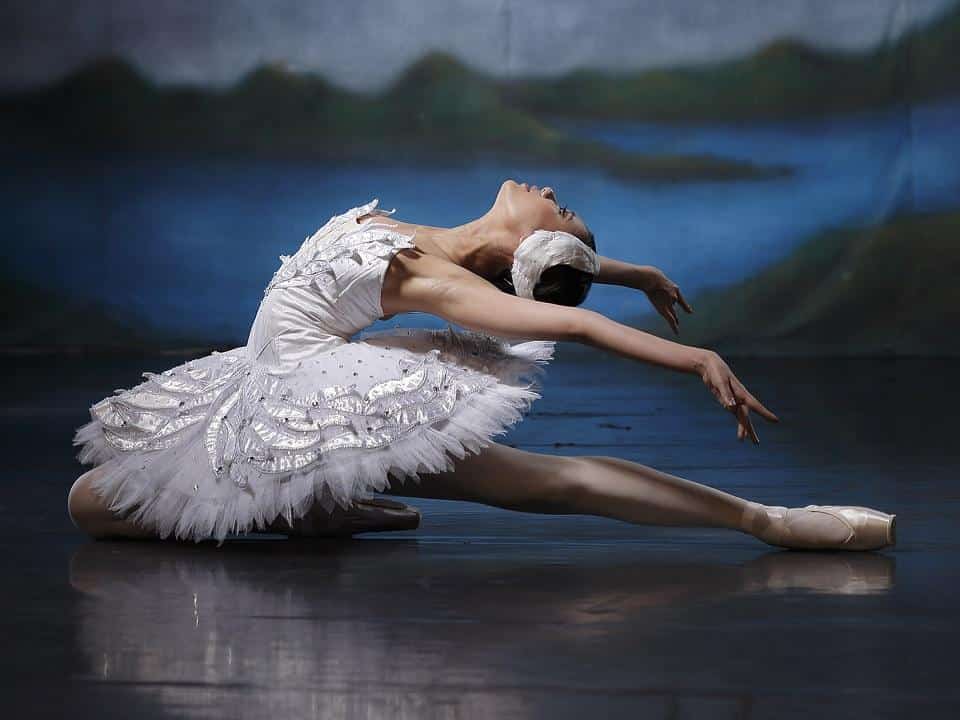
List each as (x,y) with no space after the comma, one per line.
(566,327)
(539,321)
(582,324)
(485,309)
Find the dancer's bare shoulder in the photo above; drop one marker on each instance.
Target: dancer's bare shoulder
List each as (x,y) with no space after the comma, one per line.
(420,281)
(416,274)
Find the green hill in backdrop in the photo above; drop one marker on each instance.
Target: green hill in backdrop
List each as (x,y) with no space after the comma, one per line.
(438,111)
(886,289)
(441,111)
(787,79)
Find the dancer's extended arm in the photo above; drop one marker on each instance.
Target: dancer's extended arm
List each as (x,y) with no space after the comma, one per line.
(462,297)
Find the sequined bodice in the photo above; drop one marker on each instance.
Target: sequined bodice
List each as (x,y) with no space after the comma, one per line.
(327,291)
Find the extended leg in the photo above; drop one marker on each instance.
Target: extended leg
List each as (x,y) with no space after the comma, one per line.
(616,488)
(519,480)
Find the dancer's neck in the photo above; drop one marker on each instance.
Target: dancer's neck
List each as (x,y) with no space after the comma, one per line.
(482,246)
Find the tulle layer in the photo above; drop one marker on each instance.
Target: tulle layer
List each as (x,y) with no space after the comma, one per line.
(223,445)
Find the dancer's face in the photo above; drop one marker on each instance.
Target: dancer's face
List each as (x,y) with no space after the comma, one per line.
(524,208)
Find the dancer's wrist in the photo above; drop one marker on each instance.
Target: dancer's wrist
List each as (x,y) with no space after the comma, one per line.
(643,277)
(697,359)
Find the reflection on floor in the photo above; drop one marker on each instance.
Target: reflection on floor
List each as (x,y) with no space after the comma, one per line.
(482,613)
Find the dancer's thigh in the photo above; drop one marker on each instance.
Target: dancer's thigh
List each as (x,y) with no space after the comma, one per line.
(503,476)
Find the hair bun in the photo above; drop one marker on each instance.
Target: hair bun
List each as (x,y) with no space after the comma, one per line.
(545,248)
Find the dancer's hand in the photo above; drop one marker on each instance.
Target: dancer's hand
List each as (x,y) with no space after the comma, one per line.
(732,395)
(663,293)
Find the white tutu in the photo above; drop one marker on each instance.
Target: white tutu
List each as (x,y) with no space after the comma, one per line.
(228,442)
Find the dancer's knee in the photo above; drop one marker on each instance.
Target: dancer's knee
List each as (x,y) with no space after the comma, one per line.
(563,487)
(580,485)
(85,508)
(507,477)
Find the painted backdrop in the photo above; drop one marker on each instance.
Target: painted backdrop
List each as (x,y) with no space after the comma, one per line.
(793,165)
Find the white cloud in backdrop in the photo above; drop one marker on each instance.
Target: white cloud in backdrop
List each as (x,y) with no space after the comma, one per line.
(363,44)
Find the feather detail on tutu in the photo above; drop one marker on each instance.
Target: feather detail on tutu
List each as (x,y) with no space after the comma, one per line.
(220,446)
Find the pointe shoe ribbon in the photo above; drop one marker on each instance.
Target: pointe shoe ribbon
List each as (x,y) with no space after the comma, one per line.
(867,529)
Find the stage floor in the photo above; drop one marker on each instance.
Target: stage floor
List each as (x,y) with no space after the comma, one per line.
(485,613)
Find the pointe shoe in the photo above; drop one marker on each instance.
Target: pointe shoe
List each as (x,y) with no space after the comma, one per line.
(366,515)
(820,527)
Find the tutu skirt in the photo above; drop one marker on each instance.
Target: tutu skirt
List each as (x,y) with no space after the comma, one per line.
(224,444)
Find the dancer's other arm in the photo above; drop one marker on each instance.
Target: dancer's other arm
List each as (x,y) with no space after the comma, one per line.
(620,272)
(660,290)
(462,297)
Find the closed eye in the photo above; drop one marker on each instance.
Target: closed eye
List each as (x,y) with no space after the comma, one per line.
(562,209)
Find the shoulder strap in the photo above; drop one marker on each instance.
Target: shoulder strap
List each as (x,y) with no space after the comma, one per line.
(373,236)
(342,237)
(369,208)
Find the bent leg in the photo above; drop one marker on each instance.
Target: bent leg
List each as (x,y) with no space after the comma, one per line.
(90,513)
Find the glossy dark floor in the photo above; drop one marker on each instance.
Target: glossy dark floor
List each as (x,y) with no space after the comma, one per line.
(483,613)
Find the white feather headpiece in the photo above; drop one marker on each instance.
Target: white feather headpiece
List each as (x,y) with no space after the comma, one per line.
(545,248)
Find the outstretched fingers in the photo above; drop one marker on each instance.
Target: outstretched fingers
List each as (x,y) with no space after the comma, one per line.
(671,315)
(746,397)
(746,425)
(683,302)
(742,412)
(674,318)
(733,396)
(664,306)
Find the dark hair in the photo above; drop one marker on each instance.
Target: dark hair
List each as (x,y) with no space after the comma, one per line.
(559,284)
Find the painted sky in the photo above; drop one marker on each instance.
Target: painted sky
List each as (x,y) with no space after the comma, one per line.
(362,44)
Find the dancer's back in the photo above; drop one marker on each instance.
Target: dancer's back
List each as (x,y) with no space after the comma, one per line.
(328,290)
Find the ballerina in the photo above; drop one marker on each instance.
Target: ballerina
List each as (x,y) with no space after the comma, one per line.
(307,426)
